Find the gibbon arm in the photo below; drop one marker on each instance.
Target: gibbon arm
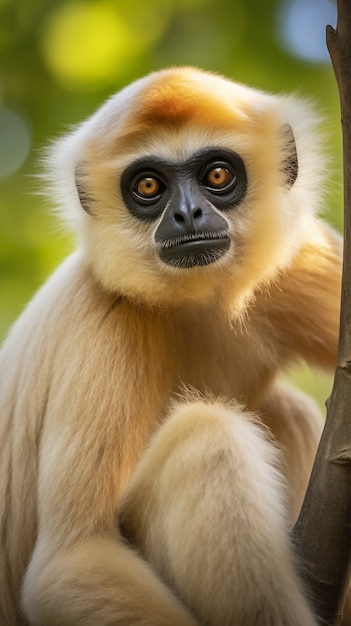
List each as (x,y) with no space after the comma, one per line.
(91,424)
(301,317)
(302,308)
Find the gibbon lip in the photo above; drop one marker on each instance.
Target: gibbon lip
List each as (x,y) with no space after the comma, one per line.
(195,249)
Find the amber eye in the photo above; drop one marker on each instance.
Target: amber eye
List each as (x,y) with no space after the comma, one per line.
(147,187)
(218,177)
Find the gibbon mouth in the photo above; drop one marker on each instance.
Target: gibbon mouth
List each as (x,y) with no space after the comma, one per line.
(197,249)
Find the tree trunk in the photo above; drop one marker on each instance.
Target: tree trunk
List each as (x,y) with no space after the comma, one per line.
(322,533)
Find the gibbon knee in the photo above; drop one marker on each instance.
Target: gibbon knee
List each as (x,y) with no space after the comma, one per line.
(206,506)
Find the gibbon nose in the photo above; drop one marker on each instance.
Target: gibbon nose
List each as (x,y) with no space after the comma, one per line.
(188,218)
(188,212)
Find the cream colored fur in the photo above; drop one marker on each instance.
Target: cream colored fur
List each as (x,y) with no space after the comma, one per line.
(136,485)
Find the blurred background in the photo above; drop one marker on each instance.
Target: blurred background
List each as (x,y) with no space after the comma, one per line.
(59,59)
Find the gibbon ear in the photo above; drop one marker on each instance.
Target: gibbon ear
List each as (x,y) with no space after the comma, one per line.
(290,165)
(86,201)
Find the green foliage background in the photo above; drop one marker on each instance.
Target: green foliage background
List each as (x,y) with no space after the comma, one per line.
(60,59)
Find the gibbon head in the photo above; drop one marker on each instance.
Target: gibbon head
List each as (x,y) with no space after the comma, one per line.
(185,186)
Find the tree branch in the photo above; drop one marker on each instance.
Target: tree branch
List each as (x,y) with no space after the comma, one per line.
(322,533)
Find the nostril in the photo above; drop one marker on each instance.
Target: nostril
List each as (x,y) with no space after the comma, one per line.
(179,217)
(188,217)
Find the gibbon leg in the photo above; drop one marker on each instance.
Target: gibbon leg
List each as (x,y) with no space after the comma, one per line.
(99,582)
(296,423)
(206,508)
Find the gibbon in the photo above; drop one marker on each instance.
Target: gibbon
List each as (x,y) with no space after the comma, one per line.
(152,464)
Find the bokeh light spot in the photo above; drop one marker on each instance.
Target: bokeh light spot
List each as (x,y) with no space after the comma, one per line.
(301,27)
(84,43)
(15,141)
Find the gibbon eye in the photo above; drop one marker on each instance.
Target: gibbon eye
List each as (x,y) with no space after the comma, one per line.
(147,188)
(219,177)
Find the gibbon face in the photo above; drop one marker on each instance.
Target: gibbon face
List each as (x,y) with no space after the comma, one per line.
(184,182)
(188,201)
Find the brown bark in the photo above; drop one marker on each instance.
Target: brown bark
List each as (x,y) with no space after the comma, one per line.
(322,533)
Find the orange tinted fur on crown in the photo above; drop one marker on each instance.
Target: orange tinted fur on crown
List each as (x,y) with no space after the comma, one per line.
(175,98)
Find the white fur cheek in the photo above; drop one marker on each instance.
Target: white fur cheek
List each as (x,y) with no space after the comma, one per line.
(269,232)
(109,246)
(276,235)
(124,260)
